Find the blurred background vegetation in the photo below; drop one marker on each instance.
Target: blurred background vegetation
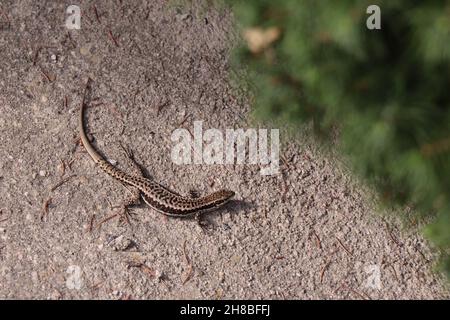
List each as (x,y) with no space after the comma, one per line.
(386,91)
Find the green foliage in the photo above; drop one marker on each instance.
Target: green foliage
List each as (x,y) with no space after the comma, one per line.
(386,90)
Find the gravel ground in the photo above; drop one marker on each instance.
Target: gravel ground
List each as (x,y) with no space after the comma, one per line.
(308,233)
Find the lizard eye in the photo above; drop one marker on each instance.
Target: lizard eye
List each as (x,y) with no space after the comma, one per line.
(229,194)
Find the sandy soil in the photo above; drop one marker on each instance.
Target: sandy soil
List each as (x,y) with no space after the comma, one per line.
(310,232)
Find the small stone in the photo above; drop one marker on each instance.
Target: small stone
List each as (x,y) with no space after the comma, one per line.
(55,295)
(34,276)
(122,244)
(84,50)
(158,275)
(184,17)
(42,173)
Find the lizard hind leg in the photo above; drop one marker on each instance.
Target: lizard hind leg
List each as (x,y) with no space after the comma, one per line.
(134,198)
(129,155)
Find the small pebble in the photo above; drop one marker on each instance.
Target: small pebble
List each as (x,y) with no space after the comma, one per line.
(158,275)
(84,50)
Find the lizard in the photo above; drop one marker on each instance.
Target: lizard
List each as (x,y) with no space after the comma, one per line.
(155,195)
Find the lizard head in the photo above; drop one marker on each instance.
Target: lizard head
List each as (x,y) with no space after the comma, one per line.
(219,198)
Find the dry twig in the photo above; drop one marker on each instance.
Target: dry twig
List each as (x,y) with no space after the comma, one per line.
(344,247)
(62,182)
(188,262)
(45,208)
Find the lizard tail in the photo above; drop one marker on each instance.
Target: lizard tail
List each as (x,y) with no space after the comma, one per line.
(89,148)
